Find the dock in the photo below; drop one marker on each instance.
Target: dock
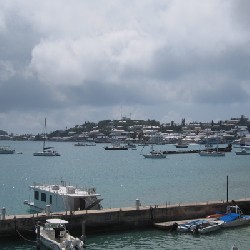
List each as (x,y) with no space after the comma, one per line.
(113,219)
(226,149)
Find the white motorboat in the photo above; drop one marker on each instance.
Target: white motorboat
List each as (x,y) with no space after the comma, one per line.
(185,227)
(242,152)
(47,151)
(53,235)
(234,217)
(200,226)
(6,150)
(206,226)
(155,154)
(57,198)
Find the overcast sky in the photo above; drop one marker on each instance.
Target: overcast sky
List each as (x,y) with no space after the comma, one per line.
(76,61)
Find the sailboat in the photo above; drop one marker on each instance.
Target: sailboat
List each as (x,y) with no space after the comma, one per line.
(212,152)
(155,154)
(47,151)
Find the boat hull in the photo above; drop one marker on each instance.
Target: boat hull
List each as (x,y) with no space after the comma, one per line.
(118,148)
(49,244)
(236,223)
(149,156)
(46,154)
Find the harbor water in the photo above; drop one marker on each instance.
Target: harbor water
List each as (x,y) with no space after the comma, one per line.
(121,177)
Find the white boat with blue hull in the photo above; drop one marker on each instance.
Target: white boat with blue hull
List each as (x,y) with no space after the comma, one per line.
(58,198)
(54,235)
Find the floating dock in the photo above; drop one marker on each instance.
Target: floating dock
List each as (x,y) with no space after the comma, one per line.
(226,149)
(116,218)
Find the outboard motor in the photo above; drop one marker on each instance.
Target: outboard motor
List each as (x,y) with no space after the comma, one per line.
(174,227)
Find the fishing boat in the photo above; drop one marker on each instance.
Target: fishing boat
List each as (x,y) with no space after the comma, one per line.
(234,217)
(47,151)
(155,154)
(62,197)
(54,235)
(6,150)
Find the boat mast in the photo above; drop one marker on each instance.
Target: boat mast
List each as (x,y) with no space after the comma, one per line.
(44,134)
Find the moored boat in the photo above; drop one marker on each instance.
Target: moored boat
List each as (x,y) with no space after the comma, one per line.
(54,235)
(85,144)
(207,226)
(6,150)
(57,198)
(116,146)
(155,154)
(234,217)
(242,152)
(47,151)
(201,226)
(181,145)
(211,153)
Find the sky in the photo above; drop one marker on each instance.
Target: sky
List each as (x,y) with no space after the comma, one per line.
(76,61)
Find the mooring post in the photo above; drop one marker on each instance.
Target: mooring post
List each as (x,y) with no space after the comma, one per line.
(38,236)
(227,188)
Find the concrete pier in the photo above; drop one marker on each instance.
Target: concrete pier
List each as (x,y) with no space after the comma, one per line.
(117,218)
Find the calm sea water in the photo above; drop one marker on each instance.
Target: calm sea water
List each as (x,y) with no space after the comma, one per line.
(123,176)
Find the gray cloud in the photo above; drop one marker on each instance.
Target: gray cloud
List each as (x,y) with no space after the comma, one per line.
(155,59)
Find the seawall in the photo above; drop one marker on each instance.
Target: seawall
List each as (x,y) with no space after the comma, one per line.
(117,218)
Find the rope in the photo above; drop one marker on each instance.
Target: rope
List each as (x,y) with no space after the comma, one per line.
(24,237)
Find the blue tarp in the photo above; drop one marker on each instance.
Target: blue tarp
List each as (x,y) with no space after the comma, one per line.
(230,217)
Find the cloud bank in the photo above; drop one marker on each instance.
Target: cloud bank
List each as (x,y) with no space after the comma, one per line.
(76,61)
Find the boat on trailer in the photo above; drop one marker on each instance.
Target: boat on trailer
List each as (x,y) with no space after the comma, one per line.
(54,235)
(63,197)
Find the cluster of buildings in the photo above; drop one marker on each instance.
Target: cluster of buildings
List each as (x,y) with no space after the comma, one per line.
(195,132)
